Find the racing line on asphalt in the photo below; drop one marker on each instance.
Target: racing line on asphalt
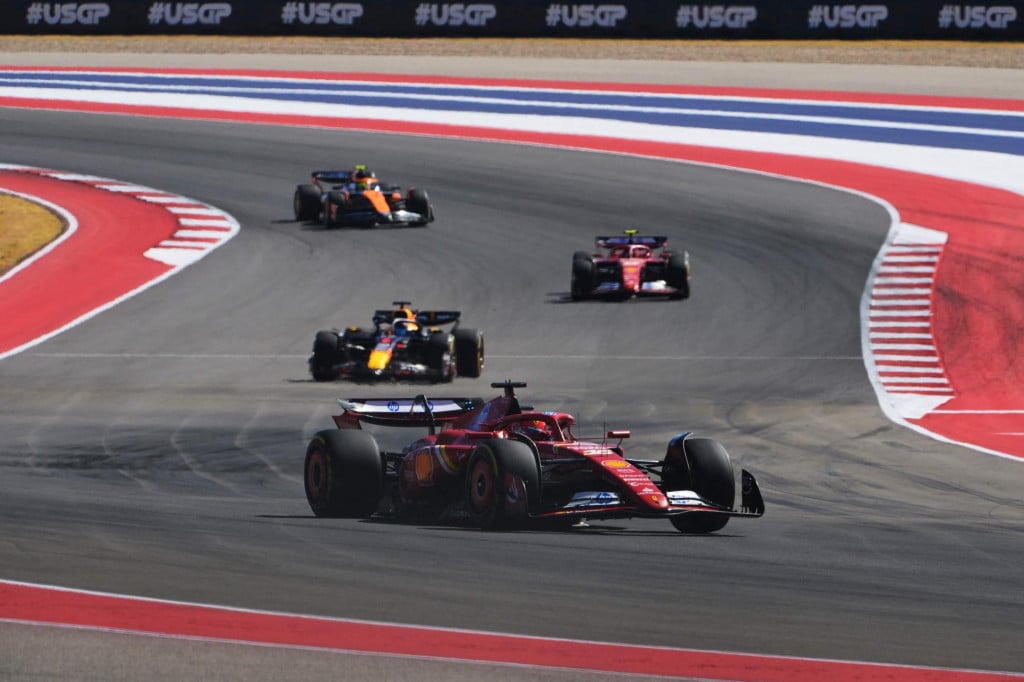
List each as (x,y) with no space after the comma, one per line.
(937,364)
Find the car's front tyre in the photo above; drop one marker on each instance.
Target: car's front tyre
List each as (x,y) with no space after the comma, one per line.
(469,353)
(502,483)
(306,203)
(583,275)
(703,466)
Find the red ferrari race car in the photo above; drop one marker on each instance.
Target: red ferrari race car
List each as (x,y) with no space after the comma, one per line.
(632,266)
(502,464)
(403,344)
(357,197)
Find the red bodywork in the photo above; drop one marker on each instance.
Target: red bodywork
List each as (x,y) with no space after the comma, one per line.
(578,478)
(631,265)
(633,260)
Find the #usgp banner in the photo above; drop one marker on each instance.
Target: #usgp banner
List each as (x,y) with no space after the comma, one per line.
(662,19)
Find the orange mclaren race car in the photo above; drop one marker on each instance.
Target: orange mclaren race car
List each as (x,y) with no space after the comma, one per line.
(357,197)
(500,463)
(403,344)
(631,266)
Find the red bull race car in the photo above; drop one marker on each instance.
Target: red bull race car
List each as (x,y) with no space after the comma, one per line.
(502,464)
(632,265)
(357,197)
(403,344)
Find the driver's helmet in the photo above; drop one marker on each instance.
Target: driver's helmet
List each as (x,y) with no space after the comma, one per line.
(535,430)
(361,172)
(403,327)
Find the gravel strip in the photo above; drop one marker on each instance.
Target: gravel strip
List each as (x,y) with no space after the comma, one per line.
(922,53)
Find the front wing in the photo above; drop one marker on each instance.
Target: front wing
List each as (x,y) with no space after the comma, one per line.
(604,504)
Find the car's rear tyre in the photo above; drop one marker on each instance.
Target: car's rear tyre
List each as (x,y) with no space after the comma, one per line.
(441,356)
(306,203)
(469,353)
(419,202)
(323,365)
(677,275)
(703,466)
(582,276)
(502,483)
(343,474)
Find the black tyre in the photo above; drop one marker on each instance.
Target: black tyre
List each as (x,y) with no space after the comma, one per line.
(469,353)
(502,483)
(582,276)
(323,365)
(677,275)
(340,203)
(306,203)
(419,202)
(440,356)
(344,474)
(703,466)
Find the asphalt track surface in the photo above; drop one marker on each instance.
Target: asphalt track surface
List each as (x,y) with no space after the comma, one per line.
(156,449)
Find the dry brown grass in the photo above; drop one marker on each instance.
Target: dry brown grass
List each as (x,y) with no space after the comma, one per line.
(25,227)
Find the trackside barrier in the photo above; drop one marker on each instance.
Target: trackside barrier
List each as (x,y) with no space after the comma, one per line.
(662,19)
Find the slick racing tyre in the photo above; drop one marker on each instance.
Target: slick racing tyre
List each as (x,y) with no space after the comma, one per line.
(440,356)
(703,466)
(419,202)
(502,483)
(334,209)
(326,356)
(677,275)
(582,276)
(469,353)
(306,203)
(343,474)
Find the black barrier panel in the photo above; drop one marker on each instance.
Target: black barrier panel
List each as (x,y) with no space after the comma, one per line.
(638,19)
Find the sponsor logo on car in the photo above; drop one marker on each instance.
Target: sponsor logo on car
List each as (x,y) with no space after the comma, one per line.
(615,463)
(592,499)
(683,497)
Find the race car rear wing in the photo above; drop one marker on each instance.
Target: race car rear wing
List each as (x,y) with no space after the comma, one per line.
(419,411)
(424,317)
(647,240)
(429,317)
(332,177)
